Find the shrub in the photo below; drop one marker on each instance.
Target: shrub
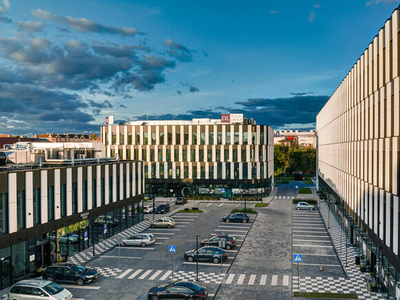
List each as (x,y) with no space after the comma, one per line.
(305,191)
(261,204)
(248,211)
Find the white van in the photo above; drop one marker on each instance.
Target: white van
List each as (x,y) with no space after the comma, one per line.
(37,289)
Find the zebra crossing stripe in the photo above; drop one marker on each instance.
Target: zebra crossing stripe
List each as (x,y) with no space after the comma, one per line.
(230,278)
(263,280)
(155,275)
(135,274)
(221,204)
(286,280)
(209,204)
(241,278)
(165,276)
(144,275)
(124,274)
(252,279)
(274,280)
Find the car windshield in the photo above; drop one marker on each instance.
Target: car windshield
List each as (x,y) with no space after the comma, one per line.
(53,288)
(79,269)
(161,206)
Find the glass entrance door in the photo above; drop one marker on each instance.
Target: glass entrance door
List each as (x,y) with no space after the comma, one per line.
(5,272)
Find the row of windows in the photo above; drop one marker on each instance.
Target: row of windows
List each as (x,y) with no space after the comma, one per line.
(166,138)
(184,155)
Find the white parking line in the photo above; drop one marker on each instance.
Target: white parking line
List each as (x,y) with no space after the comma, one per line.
(182,222)
(155,275)
(209,204)
(83,287)
(158,243)
(313,246)
(263,279)
(144,275)
(206,264)
(114,256)
(316,236)
(252,279)
(183,218)
(124,274)
(164,229)
(165,276)
(215,233)
(230,278)
(135,274)
(180,225)
(311,241)
(162,233)
(230,230)
(286,280)
(316,254)
(162,238)
(225,226)
(238,205)
(323,265)
(274,280)
(137,248)
(221,204)
(241,278)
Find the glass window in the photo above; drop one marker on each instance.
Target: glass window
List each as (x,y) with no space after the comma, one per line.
(168,153)
(235,158)
(74,197)
(63,200)
(236,138)
(129,138)
(161,170)
(209,155)
(244,154)
(137,138)
(201,154)
(144,154)
(113,138)
(219,171)
(194,137)
(211,137)
(245,137)
(151,154)
(146,171)
(177,138)
(36,206)
(192,155)
(184,154)
(117,187)
(228,171)
(254,135)
(128,154)
(218,155)
(121,138)
(169,170)
(226,154)
(161,138)
(245,171)
(169,138)
(202,172)
(110,188)
(50,202)
(202,138)
(19,259)
(194,173)
(94,192)
(219,138)
(228,138)
(153,138)
(153,170)
(186,138)
(211,172)
(262,137)
(160,154)
(84,195)
(176,154)
(178,172)
(186,171)
(103,190)
(3,213)
(136,152)
(145,138)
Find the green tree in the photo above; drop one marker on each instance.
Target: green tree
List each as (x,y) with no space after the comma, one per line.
(294,160)
(281,161)
(93,137)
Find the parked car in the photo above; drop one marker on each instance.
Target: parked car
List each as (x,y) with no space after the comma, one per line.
(163,222)
(38,289)
(304,205)
(178,290)
(236,217)
(181,200)
(101,220)
(69,237)
(148,209)
(206,253)
(139,239)
(66,272)
(162,209)
(222,240)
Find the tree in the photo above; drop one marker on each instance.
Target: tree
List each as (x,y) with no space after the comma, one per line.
(281,161)
(93,137)
(294,160)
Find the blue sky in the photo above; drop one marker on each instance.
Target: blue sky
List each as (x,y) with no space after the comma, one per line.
(68,64)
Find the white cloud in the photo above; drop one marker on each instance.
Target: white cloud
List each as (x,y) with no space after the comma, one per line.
(372,2)
(5,6)
(312,16)
(317,5)
(273,12)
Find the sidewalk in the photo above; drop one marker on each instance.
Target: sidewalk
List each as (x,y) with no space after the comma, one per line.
(355,282)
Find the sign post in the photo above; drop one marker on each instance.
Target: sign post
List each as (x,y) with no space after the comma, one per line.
(172,249)
(298,258)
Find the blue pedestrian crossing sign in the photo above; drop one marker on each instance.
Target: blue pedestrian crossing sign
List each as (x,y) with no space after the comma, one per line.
(172,248)
(297,257)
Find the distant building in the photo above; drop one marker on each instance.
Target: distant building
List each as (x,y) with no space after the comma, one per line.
(304,139)
(65,137)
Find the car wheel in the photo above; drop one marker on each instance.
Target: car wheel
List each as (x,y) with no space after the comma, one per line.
(227,220)
(190,258)
(155,297)
(312,208)
(298,208)
(169,226)
(123,244)
(80,281)
(50,278)
(228,247)
(143,244)
(245,221)
(215,260)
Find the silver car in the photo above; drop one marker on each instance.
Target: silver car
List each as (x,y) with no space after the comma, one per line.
(140,239)
(304,205)
(38,289)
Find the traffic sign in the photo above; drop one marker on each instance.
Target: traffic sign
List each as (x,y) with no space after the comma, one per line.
(297,257)
(105,228)
(172,248)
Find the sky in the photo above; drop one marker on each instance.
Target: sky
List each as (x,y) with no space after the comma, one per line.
(66,65)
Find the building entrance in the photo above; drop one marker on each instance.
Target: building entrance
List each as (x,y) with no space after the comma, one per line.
(5,272)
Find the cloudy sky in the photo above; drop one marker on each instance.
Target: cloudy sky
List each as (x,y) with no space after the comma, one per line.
(65,65)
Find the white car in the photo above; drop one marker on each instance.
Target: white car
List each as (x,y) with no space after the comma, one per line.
(304,205)
(38,289)
(139,239)
(148,209)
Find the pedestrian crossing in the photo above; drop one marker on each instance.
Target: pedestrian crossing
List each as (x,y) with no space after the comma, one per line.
(284,197)
(216,278)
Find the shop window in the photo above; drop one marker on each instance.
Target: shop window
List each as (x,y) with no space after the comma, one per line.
(19,259)
(3,213)
(211,172)
(161,170)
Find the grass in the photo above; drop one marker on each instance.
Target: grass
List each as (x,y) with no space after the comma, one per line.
(305,191)
(325,295)
(261,204)
(308,181)
(309,201)
(190,211)
(282,182)
(248,211)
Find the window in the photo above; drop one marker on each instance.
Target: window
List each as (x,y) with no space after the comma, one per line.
(211,172)
(202,172)
(254,135)
(201,154)
(84,195)
(228,138)
(244,155)
(194,173)
(209,155)
(177,138)
(228,171)
(36,206)
(121,138)
(245,171)
(144,154)
(110,188)
(161,138)
(236,141)
(113,138)
(186,139)
(192,155)
(235,156)
(168,153)
(161,170)
(262,137)
(118,187)
(3,213)
(151,154)
(137,138)
(219,138)
(211,137)
(153,138)
(202,138)
(218,155)
(94,192)
(176,154)
(178,172)
(103,191)
(160,154)
(128,154)
(184,154)
(129,138)
(226,154)
(63,200)
(153,170)
(169,141)
(50,202)
(194,137)
(245,137)
(169,170)
(186,171)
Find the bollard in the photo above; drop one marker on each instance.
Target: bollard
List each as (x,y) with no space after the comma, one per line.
(320,268)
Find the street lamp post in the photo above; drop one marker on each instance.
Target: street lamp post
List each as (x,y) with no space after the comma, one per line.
(154,202)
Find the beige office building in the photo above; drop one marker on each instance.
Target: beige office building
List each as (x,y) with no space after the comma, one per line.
(358,154)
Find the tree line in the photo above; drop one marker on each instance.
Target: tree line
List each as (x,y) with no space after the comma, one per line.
(292,160)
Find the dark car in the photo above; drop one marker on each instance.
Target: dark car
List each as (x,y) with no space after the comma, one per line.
(222,241)
(162,209)
(178,290)
(181,200)
(70,273)
(206,253)
(237,217)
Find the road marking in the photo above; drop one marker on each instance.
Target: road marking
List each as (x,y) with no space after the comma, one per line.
(165,276)
(207,264)
(309,241)
(135,274)
(164,229)
(115,256)
(315,246)
(125,273)
(230,278)
(286,280)
(165,233)
(311,227)
(162,238)
(181,225)
(227,226)
(323,265)
(263,280)
(182,218)
(83,287)
(241,278)
(309,231)
(137,248)
(183,222)
(230,230)
(252,279)
(224,230)
(306,235)
(209,204)
(221,204)
(155,275)
(316,254)
(144,275)
(158,243)
(274,280)
(233,250)
(237,205)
